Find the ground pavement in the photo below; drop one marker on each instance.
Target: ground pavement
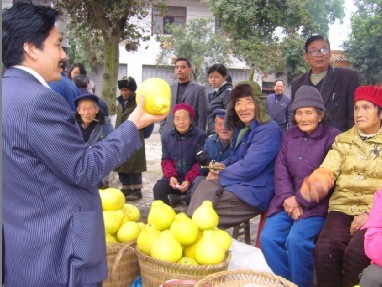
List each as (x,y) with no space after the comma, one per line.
(153,173)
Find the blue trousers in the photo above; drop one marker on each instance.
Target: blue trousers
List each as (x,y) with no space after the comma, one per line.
(288,246)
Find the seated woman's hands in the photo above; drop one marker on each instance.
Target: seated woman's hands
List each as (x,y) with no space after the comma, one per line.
(316,186)
(358,222)
(293,208)
(174,183)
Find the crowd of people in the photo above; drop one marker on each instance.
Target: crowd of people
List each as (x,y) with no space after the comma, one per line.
(312,162)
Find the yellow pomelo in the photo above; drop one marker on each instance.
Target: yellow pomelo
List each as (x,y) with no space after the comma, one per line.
(224,238)
(184,229)
(161,215)
(112,199)
(141,225)
(147,237)
(209,250)
(187,260)
(157,94)
(189,251)
(205,216)
(112,220)
(109,238)
(129,231)
(166,248)
(132,211)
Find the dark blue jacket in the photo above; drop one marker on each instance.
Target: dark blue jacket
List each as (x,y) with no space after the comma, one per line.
(66,88)
(250,167)
(178,153)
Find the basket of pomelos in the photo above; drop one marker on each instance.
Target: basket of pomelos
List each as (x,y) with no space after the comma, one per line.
(121,230)
(174,246)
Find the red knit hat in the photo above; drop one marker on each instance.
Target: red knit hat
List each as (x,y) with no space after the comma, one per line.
(186,107)
(371,94)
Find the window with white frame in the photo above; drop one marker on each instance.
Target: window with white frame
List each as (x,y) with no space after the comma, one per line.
(174,15)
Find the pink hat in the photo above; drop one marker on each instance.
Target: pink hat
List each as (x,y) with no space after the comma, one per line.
(371,94)
(186,107)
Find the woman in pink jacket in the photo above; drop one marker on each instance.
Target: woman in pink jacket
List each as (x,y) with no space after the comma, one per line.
(372,275)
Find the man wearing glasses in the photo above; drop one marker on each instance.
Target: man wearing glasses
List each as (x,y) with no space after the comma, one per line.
(336,85)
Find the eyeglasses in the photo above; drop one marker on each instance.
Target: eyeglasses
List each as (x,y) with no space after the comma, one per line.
(322,51)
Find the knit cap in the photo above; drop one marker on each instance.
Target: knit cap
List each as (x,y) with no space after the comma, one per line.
(218,112)
(186,107)
(371,94)
(127,83)
(307,96)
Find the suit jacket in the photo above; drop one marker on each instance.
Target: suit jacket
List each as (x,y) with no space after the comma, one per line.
(196,96)
(338,94)
(53,231)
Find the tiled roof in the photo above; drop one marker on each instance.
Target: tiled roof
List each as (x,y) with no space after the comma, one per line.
(338,56)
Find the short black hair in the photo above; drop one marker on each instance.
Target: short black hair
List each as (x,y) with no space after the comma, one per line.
(218,68)
(25,23)
(315,38)
(185,60)
(279,80)
(79,66)
(81,81)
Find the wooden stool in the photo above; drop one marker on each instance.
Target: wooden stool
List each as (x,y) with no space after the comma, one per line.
(243,228)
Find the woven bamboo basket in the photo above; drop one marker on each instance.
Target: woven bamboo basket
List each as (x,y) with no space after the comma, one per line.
(244,277)
(154,272)
(122,265)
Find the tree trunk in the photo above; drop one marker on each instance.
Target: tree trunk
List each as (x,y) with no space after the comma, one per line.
(110,71)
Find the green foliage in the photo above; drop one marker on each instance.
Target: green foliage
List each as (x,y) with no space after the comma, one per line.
(251,26)
(96,29)
(197,42)
(364,45)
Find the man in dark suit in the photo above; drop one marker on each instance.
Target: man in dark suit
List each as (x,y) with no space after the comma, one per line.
(53,231)
(336,85)
(187,91)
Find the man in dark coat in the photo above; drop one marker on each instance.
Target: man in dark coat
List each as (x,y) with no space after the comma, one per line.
(336,85)
(187,91)
(53,231)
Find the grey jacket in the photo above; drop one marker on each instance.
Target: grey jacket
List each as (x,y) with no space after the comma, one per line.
(196,96)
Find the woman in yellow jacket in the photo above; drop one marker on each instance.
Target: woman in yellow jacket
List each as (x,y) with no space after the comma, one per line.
(354,165)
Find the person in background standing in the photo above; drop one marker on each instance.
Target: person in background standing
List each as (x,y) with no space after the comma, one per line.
(220,97)
(336,85)
(189,92)
(279,106)
(130,172)
(78,68)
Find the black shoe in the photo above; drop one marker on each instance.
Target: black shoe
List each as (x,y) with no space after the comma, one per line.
(133,195)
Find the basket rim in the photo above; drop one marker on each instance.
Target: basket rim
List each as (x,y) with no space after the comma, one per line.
(245,271)
(179,266)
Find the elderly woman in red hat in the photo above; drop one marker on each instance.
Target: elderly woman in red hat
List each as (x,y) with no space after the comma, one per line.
(179,164)
(354,165)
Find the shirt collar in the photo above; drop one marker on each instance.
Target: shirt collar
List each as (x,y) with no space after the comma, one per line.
(34,73)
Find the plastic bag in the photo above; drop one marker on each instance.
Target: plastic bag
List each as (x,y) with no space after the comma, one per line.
(247,256)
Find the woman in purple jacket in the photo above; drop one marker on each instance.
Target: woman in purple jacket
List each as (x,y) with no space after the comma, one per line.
(293,224)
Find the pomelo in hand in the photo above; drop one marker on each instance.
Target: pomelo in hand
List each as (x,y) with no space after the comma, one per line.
(112,199)
(128,231)
(157,96)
